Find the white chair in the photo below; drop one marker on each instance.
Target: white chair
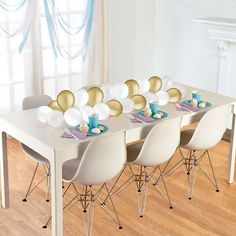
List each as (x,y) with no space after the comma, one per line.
(158,148)
(30,103)
(102,160)
(207,134)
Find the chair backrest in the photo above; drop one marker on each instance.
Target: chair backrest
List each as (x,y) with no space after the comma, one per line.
(210,129)
(102,160)
(35,101)
(161,143)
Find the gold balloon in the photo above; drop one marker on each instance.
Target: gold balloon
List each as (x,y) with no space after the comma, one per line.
(155,84)
(65,99)
(116,107)
(139,102)
(54,105)
(133,87)
(95,96)
(174,95)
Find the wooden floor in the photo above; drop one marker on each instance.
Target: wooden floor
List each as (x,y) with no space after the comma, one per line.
(208,213)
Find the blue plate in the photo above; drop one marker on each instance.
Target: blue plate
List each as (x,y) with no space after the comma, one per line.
(104,131)
(208,104)
(165,114)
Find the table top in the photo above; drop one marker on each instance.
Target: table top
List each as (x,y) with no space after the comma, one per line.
(24,124)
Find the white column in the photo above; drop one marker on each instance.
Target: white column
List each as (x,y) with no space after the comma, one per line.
(224,56)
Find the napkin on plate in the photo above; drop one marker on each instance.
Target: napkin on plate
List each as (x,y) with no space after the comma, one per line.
(75,132)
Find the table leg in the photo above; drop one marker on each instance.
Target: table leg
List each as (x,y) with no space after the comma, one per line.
(4,170)
(232,151)
(56,196)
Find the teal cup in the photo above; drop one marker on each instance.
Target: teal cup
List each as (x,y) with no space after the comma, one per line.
(196,95)
(93,121)
(154,107)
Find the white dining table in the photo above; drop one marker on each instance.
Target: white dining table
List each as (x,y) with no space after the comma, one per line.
(47,141)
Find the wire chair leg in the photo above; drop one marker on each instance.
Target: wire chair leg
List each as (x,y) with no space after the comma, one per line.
(31,182)
(213,172)
(164,183)
(191,176)
(142,191)
(90,215)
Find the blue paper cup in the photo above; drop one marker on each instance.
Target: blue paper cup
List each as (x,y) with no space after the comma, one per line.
(93,121)
(154,107)
(196,95)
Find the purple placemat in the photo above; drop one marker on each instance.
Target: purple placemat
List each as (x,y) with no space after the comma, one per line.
(75,132)
(194,109)
(138,117)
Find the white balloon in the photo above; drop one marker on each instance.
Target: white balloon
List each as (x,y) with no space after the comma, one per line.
(102,110)
(86,112)
(150,97)
(162,97)
(81,97)
(167,82)
(120,91)
(55,118)
(107,92)
(144,85)
(42,113)
(73,117)
(128,105)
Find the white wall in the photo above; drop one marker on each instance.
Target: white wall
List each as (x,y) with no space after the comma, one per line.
(131,38)
(183,48)
(159,37)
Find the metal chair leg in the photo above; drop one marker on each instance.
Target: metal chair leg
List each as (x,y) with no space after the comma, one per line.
(191,176)
(31,182)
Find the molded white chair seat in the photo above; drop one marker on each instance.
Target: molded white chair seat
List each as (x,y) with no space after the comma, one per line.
(30,103)
(69,169)
(207,134)
(158,148)
(185,137)
(102,160)
(34,155)
(133,150)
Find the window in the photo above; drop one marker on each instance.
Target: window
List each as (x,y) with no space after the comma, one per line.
(20,73)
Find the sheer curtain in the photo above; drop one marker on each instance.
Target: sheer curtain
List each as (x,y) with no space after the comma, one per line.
(97,67)
(36,71)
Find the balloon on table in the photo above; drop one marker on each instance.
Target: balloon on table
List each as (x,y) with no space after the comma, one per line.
(128,105)
(102,110)
(120,91)
(54,105)
(144,85)
(133,87)
(65,99)
(81,97)
(86,112)
(95,96)
(42,113)
(139,102)
(115,107)
(55,118)
(155,84)
(162,98)
(73,117)
(107,92)
(181,88)
(150,97)
(167,82)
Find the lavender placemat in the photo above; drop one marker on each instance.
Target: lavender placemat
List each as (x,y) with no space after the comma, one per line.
(75,132)
(138,117)
(194,109)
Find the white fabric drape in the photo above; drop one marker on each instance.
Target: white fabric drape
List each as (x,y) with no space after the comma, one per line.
(97,61)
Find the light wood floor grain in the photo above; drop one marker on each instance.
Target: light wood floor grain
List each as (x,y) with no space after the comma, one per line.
(208,213)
